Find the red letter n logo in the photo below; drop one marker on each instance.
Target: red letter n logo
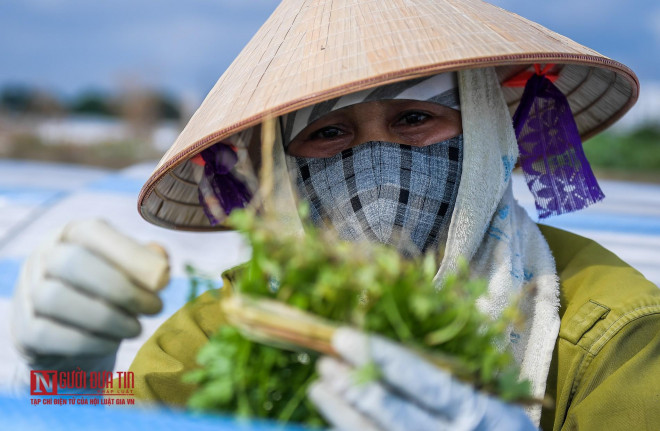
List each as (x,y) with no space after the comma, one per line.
(43,382)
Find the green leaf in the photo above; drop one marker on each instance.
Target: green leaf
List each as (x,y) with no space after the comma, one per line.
(369,286)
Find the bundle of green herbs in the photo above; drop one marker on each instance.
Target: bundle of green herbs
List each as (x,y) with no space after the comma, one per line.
(366,286)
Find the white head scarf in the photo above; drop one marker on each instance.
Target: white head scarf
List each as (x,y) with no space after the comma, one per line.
(493,232)
(497,236)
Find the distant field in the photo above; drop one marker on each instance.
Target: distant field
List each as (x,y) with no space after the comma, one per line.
(634,155)
(111,154)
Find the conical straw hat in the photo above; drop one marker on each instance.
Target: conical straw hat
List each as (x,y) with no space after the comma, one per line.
(310,51)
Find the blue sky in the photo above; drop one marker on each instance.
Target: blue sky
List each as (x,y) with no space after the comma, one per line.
(184,46)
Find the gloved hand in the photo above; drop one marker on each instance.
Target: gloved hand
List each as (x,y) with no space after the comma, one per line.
(411,393)
(80,292)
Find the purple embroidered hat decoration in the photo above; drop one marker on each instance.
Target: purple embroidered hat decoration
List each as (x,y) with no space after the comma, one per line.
(220,191)
(551,155)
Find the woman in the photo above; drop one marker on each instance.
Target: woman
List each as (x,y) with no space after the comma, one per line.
(395,125)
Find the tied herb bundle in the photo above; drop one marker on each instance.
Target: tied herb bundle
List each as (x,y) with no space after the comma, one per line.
(283,305)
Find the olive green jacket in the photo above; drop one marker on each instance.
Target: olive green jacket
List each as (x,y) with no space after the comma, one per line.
(605,372)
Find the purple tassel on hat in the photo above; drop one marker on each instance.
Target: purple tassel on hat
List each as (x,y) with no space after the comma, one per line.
(556,169)
(220,191)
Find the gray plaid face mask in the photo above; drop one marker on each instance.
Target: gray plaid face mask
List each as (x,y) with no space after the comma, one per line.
(385,192)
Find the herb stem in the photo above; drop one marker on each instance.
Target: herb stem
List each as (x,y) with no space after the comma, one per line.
(243,399)
(393,315)
(296,399)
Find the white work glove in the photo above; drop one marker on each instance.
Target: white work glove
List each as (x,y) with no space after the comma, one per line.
(80,292)
(411,393)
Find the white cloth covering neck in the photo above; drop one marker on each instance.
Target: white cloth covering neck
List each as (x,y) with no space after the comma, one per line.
(491,230)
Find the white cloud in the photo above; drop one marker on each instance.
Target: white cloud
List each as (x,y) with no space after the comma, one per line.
(654,24)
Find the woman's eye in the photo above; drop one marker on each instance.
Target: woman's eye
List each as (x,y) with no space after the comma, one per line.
(327,133)
(413,118)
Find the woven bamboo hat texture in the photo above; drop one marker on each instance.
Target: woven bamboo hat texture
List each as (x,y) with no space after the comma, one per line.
(310,51)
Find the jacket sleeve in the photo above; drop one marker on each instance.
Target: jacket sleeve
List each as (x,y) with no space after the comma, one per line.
(605,373)
(620,385)
(172,350)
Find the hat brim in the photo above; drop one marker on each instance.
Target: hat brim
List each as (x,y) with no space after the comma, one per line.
(302,56)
